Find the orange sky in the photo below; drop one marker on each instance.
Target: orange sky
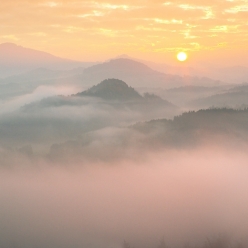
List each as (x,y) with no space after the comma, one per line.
(148,29)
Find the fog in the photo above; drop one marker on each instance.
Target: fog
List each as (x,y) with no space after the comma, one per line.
(38,94)
(141,183)
(160,165)
(185,196)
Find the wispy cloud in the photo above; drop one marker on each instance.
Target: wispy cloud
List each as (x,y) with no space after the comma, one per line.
(166,24)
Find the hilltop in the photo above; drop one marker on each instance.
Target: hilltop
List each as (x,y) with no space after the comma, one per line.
(112,89)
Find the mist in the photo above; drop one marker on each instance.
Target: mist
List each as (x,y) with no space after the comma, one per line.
(183,196)
(119,155)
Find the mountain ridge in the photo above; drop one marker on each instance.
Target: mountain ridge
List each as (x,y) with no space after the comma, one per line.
(138,74)
(16,59)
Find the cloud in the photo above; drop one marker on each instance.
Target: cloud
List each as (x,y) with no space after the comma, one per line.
(116,22)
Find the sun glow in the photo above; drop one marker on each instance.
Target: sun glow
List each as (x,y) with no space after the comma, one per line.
(182,56)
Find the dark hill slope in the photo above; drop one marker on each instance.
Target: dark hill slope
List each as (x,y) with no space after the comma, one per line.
(208,126)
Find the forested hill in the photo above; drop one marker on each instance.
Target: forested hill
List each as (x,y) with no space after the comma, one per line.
(202,125)
(112,89)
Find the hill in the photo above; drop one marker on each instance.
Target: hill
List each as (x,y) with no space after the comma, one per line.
(193,128)
(113,92)
(211,128)
(112,89)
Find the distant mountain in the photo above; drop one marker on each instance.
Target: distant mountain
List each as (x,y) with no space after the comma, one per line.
(190,89)
(138,74)
(16,59)
(182,96)
(181,70)
(34,75)
(26,83)
(35,68)
(235,97)
(41,74)
(230,75)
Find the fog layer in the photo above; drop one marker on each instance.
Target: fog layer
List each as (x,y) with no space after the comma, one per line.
(179,195)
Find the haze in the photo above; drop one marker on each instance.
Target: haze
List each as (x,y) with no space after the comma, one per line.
(107,140)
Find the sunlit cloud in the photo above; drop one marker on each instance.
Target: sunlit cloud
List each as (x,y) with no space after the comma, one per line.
(206,9)
(147,23)
(114,6)
(225,28)
(168,21)
(187,35)
(94,13)
(237,9)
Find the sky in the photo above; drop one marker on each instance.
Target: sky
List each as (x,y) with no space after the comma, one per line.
(148,29)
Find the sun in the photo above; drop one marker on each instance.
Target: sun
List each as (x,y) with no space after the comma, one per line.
(182,56)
